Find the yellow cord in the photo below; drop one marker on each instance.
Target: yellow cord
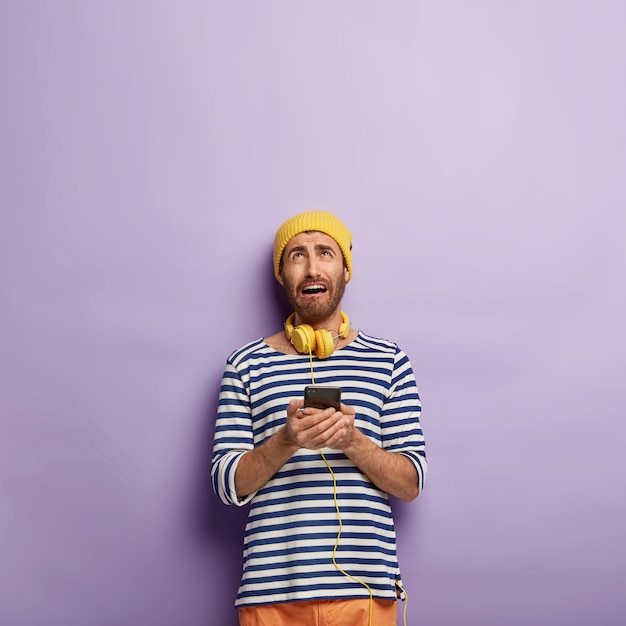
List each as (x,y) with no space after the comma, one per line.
(311,364)
(330,469)
(406,600)
(339,569)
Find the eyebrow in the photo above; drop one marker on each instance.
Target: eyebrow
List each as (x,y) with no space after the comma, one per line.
(319,247)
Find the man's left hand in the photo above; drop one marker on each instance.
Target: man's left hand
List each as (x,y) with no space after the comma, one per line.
(344,436)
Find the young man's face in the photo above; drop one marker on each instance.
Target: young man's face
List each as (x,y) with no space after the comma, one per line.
(314,276)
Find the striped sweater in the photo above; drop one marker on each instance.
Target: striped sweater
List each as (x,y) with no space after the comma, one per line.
(292,524)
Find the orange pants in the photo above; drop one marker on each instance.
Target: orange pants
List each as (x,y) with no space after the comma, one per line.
(320,613)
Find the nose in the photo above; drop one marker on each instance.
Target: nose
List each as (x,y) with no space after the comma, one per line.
(312,268)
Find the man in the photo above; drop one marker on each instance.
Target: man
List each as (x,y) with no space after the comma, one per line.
(320,543)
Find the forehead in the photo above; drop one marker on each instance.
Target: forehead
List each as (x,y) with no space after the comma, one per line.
(311,238)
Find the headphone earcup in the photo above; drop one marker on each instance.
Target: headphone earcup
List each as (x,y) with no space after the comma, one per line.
(324,344)
(303,338)
(344,328)
(306,340)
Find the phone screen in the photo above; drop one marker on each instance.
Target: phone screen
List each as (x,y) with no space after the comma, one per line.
(321,396)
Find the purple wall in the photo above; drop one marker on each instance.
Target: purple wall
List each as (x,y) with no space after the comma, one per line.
(148,153)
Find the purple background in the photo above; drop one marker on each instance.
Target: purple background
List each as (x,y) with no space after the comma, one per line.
(148,152)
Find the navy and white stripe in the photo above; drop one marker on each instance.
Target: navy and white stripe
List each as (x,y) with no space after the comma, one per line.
(292,524)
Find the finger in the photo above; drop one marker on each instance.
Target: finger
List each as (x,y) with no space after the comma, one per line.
(313,434)
(331,428)
(295,404)
(340,439)
(294,408)
(317,417)
(311,410)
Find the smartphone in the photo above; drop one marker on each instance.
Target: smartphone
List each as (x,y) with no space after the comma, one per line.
(322,397)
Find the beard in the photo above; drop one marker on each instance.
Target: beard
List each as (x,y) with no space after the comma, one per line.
(317,309)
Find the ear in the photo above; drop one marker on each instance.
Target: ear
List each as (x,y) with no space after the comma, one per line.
(279,278)
(346,273)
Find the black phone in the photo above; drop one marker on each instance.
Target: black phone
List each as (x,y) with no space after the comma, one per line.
(321,396)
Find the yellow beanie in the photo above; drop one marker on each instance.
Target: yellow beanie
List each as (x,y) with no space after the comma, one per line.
(321,221)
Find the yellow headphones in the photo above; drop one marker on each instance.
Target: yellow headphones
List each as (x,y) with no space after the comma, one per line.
(305,340)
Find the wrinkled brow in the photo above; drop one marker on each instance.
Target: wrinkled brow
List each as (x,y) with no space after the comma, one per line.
(323,247)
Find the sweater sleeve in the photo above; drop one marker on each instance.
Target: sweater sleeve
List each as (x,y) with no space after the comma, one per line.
(400,417)
(233,436)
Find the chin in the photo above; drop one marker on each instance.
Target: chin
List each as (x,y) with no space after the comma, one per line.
(314,312)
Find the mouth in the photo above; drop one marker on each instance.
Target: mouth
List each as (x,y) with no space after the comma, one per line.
(313,289)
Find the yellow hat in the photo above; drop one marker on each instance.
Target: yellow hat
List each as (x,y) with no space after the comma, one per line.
(321,221)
